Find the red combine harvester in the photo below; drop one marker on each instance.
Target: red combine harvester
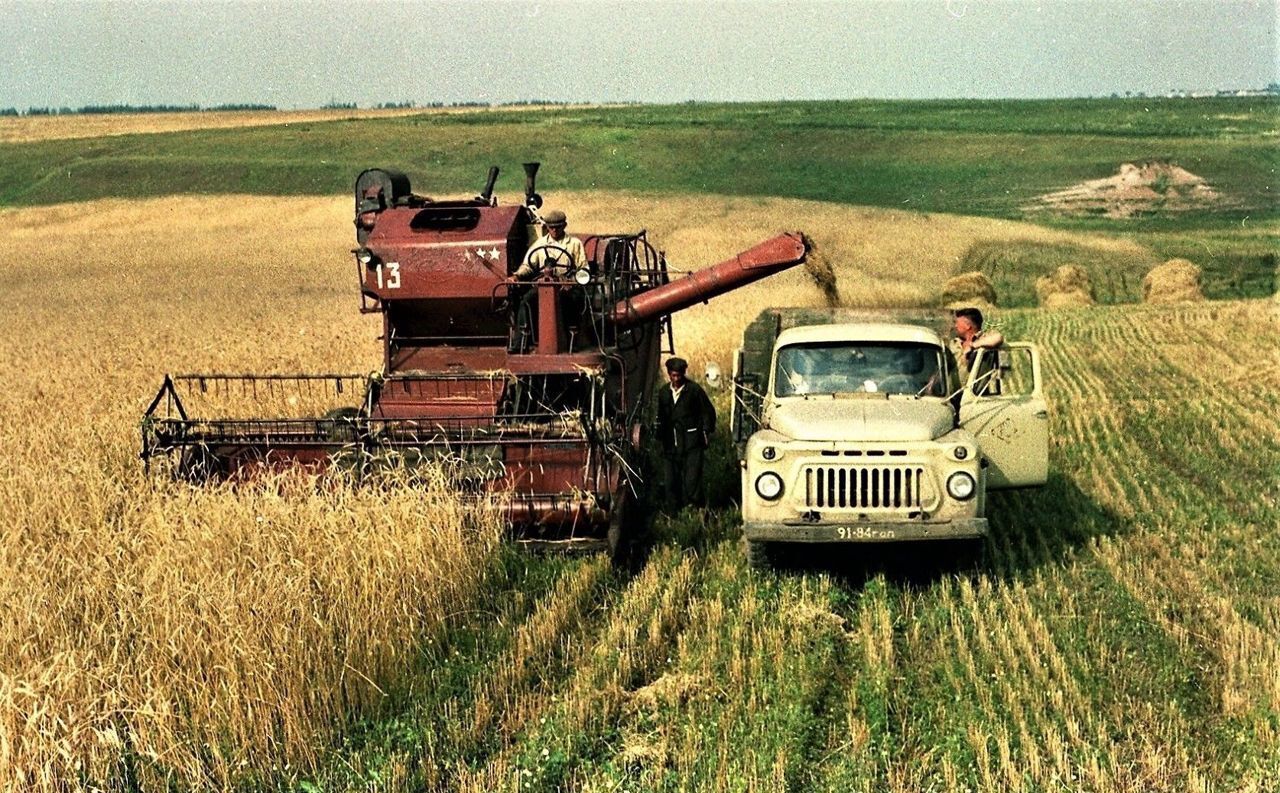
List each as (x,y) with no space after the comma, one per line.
(547,417)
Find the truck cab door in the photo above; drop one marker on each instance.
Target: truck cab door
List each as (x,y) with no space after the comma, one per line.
(1004,408)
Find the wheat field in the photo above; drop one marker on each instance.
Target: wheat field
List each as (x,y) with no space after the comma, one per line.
(1121,635)
(149,630)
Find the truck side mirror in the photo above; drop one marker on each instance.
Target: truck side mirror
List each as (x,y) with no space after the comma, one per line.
(747,404)
(712,376)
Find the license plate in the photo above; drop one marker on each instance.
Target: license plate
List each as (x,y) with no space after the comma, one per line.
(864,533)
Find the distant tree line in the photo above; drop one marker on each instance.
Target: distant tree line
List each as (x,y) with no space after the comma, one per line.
(241,107)
(108,109)
(536,102)
(247,106)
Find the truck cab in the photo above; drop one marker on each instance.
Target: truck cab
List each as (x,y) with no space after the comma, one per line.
(862,431)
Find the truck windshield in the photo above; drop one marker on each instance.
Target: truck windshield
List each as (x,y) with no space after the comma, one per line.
(859,367)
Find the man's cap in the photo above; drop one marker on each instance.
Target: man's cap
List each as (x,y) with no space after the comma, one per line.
(677,365)
(555,218)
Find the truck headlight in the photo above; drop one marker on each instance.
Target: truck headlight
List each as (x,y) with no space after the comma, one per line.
(961,452)
(365,256)
(769,452)
(582,276)
(960,485)
(769,486)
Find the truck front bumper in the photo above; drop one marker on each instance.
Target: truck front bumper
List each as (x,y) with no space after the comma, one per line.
(864,532)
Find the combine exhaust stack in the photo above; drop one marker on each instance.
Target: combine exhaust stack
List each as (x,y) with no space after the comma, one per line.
(531,198)
(546,417)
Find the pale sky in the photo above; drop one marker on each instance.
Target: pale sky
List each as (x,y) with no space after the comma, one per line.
(296,54)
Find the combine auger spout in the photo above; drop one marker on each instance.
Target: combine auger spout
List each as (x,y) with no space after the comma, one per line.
(771,256)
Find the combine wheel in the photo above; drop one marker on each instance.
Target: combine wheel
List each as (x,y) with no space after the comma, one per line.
(619,534)
(630,524)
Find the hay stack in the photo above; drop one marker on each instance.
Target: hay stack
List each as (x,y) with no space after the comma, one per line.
(1175,281)
(968,289)
(1068,287)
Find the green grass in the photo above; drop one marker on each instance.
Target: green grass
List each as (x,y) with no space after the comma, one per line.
(983,158)
(1239,261)
(1233,265)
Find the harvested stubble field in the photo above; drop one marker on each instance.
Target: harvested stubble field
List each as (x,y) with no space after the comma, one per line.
(1122,634)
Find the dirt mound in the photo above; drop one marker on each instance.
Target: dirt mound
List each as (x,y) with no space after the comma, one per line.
(1067,287)
(1175,281)
(968,289)
(1135,190)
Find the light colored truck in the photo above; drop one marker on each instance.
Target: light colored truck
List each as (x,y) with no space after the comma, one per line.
(853,427)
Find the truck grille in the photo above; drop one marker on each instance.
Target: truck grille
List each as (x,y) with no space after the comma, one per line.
(864,487)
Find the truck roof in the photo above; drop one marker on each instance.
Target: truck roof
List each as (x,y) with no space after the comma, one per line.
(859,331)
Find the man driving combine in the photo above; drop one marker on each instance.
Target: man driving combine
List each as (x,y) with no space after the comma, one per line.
(555,250)
(554,247)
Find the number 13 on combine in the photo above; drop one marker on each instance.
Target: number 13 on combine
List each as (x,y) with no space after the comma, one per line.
(388,275)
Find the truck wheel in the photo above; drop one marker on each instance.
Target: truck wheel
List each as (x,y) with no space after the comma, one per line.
(757,554)
(968,555)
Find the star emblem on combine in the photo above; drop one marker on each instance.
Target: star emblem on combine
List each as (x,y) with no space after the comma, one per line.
(492,253)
